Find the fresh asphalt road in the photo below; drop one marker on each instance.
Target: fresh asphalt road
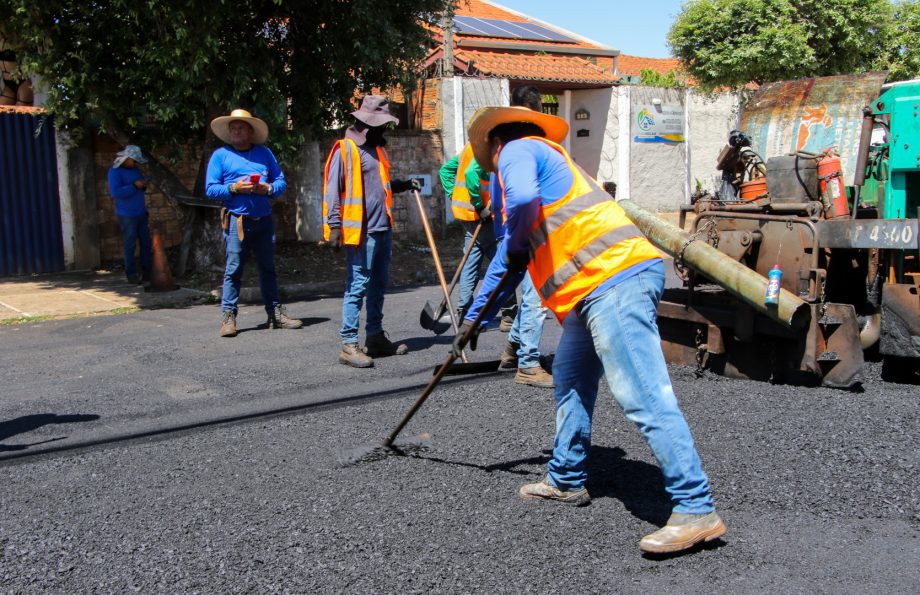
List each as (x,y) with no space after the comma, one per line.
(818,487)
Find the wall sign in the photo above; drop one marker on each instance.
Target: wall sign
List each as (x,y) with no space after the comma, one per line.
(583,132)
(659,124)
(582,114)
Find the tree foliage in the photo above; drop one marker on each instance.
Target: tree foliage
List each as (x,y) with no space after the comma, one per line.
(734,42)
(903,57)
(653,78)
(158,72)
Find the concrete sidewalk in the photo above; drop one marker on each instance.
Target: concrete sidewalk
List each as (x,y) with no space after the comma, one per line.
(64,295)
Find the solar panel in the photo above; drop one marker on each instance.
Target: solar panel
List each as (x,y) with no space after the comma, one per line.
(508,29)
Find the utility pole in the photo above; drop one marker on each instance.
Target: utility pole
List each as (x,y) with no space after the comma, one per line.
(447,26)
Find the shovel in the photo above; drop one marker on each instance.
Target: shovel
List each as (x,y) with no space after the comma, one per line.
(437,266)
(431,319)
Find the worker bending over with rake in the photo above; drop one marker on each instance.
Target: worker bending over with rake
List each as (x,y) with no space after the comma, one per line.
(602,279)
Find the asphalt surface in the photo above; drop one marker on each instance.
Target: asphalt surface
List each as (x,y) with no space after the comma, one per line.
(819,487)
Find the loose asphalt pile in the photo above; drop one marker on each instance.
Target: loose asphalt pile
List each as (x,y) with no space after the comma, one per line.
(819,489)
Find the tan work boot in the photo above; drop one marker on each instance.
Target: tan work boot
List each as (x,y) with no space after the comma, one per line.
(544,490)
(279,319)
(379,345)
(354,357)
(682,532)
(228,324)
(534,377)
(509,358)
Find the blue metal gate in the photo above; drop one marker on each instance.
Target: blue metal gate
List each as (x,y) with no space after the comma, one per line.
(30,207)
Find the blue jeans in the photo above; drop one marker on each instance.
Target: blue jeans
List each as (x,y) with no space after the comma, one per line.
(483,250)
(368,275)
(528,325)
(134,230)
(616,334)
(259,235)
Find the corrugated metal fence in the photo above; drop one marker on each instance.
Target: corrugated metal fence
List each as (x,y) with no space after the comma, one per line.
(30,207)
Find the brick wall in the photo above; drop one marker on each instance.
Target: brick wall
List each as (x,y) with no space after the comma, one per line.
(428,102)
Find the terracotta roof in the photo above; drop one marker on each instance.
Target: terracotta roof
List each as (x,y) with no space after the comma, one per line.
(489,10)
(21,109)
(536,67)
(634,65)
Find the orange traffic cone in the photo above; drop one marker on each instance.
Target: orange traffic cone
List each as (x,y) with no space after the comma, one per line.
(161,278)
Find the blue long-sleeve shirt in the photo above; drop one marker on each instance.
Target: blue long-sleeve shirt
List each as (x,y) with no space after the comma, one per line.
(129,200)
(534,174)
(227,166)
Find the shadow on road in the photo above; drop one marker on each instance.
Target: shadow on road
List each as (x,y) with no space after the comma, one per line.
(28,423)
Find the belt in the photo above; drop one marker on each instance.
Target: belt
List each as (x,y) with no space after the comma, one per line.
(239,224)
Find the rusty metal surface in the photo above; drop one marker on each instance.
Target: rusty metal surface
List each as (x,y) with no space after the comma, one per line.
(894,234)
(737,278)
(811,115)
(900,320)
(713,334)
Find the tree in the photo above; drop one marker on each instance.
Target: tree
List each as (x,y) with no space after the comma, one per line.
(653,78)
(155,73)
(729,43)
(903,56)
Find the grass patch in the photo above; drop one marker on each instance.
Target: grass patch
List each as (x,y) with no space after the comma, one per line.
(47,317)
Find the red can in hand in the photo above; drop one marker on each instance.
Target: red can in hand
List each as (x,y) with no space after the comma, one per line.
(254,179)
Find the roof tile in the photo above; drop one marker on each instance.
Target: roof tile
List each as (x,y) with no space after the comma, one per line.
(537,67)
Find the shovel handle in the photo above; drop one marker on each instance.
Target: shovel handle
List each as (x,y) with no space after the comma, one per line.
(437,263)
(453,282)
(474,328)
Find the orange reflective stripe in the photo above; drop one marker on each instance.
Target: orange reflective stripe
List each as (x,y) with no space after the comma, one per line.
(460,203)
(384,158)
(351,206)
(580,241)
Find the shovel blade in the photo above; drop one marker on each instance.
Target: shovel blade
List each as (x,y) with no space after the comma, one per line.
(430,322)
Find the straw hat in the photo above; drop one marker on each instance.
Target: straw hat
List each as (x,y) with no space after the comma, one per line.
(220,126)
(487,118)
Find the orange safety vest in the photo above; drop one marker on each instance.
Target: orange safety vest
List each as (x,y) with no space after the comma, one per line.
(460,203)
(580,241)
(352,198)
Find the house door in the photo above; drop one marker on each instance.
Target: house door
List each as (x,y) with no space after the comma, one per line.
(30,207)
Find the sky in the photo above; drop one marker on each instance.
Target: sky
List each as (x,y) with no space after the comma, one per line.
(634,28)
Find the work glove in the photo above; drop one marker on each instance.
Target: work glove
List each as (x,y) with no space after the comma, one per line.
(335,238)
(457,347)
(485,213)
(404,185)
(516,262)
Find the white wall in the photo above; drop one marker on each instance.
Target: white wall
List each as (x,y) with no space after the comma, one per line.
(589,151)
(657,172)
(712,117)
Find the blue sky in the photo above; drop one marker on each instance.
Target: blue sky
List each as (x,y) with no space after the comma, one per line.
(635,28)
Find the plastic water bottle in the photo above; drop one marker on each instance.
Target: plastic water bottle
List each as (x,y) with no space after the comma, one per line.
(772,296)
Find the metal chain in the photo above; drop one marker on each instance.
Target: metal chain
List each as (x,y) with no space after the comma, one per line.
(702,353)
(709,230)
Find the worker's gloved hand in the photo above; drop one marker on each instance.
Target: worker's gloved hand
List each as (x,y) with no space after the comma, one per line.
(404,185)
(335,238)
(485,213)
(457,347)
(516,262)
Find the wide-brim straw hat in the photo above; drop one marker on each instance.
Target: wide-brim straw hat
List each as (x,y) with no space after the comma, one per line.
(220,126)
(487,118)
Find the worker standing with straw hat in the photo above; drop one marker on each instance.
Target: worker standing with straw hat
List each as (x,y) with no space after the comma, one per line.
(602,279)
(245,175)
